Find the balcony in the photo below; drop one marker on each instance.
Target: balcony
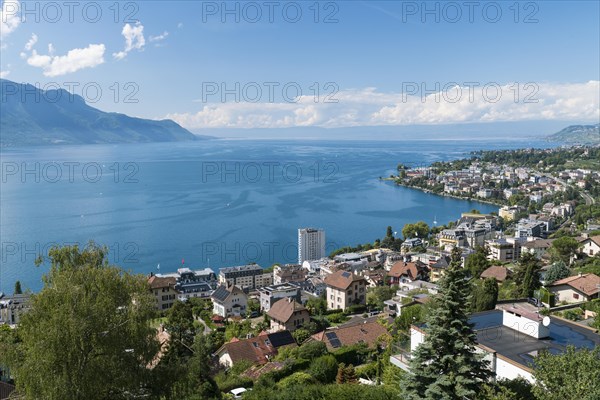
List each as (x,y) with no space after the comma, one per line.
(401,360)
(401,355)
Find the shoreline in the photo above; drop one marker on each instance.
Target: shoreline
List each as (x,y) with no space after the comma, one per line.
(443,194)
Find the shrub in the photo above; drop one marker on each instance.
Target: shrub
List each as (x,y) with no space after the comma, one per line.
(296,379)
(324,368)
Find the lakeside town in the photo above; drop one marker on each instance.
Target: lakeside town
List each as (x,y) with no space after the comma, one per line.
(529,277)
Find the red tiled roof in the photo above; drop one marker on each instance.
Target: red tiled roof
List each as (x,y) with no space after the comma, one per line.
(360,333)
(409,269)
(342,279)
(284,309)
(595,239)
(586,283)
(159,282)
(498,272)
(257,350)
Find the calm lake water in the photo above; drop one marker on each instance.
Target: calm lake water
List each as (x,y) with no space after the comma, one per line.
(212,203)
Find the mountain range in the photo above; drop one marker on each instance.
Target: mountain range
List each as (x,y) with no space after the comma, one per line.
(31,116)
(578,134)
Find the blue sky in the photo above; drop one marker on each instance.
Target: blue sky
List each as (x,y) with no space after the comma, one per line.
(370,51)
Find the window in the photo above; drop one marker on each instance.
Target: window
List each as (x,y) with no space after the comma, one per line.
(575,296)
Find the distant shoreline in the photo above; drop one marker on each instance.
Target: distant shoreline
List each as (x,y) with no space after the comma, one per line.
(443,194)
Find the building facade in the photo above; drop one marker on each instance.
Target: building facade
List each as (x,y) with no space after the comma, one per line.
(311,244)
(289,273)
(345,289)
(249,276)
(13,307)
(288,314)
(229,301)
(269,295)
(163,289)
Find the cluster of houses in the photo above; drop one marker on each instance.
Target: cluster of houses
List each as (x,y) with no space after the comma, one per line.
(494,181)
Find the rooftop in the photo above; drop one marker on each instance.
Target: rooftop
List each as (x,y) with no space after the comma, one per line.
(284,309)
(586,283)
(342,279)
(367,332)
(522,348)
(239,268)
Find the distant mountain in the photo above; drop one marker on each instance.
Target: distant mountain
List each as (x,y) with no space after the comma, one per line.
(578,134)
(30,116)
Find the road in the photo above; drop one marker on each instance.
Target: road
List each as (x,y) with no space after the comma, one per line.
(589,200)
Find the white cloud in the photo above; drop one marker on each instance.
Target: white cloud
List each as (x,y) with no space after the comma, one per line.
(4,74)
(31,42)
(73,61)
(160,37)
(368,107)
(134,39)
(180,25)
(9,18)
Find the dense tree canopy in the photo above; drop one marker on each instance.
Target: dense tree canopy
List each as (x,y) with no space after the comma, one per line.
(418,229)
(87,334)
(445,365)
(527,274)
(574,375)
(558,270)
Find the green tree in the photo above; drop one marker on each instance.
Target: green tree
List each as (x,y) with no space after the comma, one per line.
(389,232)
(564,248)
(301,335)
(324,369)
(192,379)
(18,289)
(556,271)
(180,325)
(377,295)
(477,262)
(418,229)
(346,374)
(527,274)
(317,305)
(90,321)
(410,315)
(445,365)
(573,375)
(485,295)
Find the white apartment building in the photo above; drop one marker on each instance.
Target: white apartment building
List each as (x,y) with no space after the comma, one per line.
(311,244)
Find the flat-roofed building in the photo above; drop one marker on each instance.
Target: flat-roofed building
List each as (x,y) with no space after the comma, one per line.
(511,338)
(249,276)
(311,244)
(269,295)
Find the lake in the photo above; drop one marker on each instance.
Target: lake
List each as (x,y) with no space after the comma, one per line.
(212,203)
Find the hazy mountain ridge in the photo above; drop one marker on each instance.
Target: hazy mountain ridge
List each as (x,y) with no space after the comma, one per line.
(30,116)
(578,134)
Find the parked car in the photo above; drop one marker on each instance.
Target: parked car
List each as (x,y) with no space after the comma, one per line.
(238,392)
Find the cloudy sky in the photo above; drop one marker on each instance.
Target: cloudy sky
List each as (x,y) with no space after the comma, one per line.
(327,64)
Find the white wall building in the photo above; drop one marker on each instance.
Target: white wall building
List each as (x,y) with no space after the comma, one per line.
(311,244)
